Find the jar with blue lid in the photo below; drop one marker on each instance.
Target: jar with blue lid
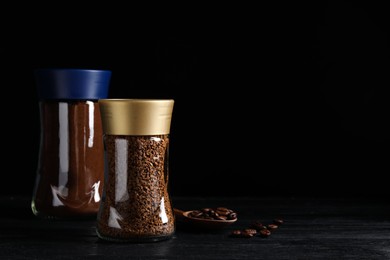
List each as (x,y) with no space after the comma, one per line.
(70,171)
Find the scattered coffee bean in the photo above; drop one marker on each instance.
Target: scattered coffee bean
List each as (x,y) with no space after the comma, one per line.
(247,233)
(278,221)
(257,225)
(272,227)
(265,233)
(258,228)
(236,233)
(251,231)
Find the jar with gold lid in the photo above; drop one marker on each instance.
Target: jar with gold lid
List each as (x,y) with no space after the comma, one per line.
(136,205)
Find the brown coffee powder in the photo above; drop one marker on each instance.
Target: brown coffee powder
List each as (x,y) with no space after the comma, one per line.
(136,204)
(70,171)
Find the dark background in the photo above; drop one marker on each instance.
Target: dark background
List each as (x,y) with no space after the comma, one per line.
(271,100)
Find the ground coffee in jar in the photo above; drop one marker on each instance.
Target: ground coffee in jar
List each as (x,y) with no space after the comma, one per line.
(136,205)
(70,172)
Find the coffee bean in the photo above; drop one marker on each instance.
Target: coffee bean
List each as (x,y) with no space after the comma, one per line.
(236,233)
(257,225)
(223,211)
(251,231)
(206,210)
(272,227)
(232,215)
(246,233)
(220,217)
(278,221)
(265,233)
(196,214)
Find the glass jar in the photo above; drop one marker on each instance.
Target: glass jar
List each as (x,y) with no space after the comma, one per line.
(136,204)
(70,173)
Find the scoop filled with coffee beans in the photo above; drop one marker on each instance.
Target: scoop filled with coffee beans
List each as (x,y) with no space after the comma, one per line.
(210,218)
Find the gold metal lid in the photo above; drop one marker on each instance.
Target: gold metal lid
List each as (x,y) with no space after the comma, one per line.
(136,116)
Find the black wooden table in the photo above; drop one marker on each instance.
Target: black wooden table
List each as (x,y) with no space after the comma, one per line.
(313,229)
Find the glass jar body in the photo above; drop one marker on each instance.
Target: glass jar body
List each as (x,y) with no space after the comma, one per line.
(70,172)
(136,205)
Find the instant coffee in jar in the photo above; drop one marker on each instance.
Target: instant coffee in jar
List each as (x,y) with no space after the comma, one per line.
(136,205)
(70,172)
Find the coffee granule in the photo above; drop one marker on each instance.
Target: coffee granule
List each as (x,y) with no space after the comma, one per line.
(70,172)
(136,204)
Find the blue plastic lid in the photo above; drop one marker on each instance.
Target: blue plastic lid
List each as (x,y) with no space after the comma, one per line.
(72,83)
